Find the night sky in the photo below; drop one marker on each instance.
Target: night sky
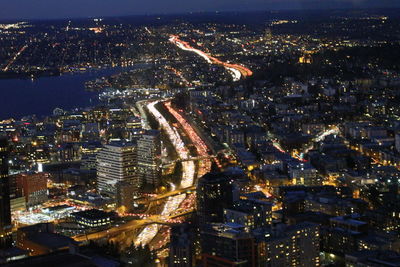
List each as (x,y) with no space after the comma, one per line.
(44,9)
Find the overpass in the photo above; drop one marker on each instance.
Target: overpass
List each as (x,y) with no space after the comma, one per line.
(191,159)
(187,190)
(129,226)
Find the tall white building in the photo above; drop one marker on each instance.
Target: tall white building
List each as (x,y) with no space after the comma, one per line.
(116,162)
(149,157)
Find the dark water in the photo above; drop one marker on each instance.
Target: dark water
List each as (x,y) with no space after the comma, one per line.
(21,97)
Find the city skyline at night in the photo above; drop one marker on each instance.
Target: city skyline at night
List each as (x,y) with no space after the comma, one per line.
(186,134)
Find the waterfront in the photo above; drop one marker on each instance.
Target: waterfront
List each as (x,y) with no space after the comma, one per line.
(22,97)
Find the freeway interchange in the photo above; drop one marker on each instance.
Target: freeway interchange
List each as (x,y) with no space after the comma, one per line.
(176,202)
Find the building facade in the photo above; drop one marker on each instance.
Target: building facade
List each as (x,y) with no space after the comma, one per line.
(215,192)
(296,245)
(149,158)
(116,162)
(34,187)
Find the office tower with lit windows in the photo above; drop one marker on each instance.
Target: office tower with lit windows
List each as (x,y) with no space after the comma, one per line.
(149,158)
(89,152)
(5,210)
(116,162)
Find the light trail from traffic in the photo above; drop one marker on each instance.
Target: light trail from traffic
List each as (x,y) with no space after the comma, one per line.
(321,137)
(143,115)
(172,193)
(237,71)
(202,149)
(188,174)
(130,226)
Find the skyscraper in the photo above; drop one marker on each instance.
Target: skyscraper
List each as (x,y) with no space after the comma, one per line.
(215,192)
(116,162)
(5,210)
(149,157)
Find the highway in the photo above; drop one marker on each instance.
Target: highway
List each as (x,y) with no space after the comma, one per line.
(145,121)
(202,149)
(188,174)
(178,202)
(237,71)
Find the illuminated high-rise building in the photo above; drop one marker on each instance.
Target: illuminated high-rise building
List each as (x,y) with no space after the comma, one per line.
(116,162)
(5,210)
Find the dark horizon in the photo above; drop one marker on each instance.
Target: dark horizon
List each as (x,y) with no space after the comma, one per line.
(326,11)
(45,10)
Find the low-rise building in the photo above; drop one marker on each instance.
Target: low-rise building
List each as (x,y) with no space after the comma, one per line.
(93,218)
